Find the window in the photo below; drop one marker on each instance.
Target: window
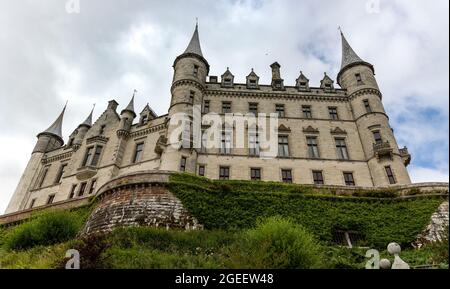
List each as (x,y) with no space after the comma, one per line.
(253,144)
(341,148)
(377,137)
(50,199)
(92,188)
(183,164)
(144,119)
(102,129)
(390,175)
(358,78)
(201,171)
(96,157)
(307,111)
(252,83)
(226,107)
(228,81)
(349,180)
(255,174)
(224,173)
(279,108)
(286,176)
(33,201)
(196,67)
(225,144)
(367,105)
(82,189)
(333,113)
(191,96)
(283,146)
(253,108)
(213,79)
(318,178)
(72,191)
(88,156)
(61,172)
(42,177)
(206,105)
(313,148)
(138,152)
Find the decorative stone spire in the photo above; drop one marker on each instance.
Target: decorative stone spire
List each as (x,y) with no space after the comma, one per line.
(130,107)
(88,121)
(56,128)
(194,46)
(349,56)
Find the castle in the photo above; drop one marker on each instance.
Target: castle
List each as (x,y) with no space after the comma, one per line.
(324,136)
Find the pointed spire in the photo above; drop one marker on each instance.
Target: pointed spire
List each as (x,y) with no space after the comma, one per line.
(88,121)
(349,56)
(194,45)
(130,107)
(56,128)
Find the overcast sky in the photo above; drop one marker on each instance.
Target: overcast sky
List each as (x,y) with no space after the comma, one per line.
(110,48)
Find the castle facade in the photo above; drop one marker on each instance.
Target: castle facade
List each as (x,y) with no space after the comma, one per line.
(324,135)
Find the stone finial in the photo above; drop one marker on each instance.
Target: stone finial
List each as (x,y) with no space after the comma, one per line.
(395,249)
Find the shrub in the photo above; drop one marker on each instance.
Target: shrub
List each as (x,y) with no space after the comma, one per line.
(276,243)
(46,229)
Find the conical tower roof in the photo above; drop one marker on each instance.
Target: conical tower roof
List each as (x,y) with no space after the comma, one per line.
(88,121)
(349,56)
(194,46)
(56,128)
(130,106)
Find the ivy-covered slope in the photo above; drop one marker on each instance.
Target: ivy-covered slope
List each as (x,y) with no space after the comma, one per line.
(239,204)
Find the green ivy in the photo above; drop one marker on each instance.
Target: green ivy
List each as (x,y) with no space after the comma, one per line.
(380,218)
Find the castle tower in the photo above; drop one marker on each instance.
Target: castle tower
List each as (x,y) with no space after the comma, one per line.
(386,162)
(189,82)
(48,140)
(81,131)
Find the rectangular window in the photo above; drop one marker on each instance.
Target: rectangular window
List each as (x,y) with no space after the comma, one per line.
(313,148)
(138,152)
(50,199)
(283,146)
(367,105)
(183,164)
(377,137)
(224,173)
(255,174)
(280,110)
(349,180)
(201,171)
(226,107)
(42,177)
(33,201)
(307,111)
(196,67)
(92,188)
(102,129)
(192,96)
(341,148)
(88,156)
(82,189)
(358,78)
(333,113)
(318,177)
(228,81)
(96,157)
(225,144)
(144,119)
(61,171)
(253,108)
(206,105)
(253,144)
(286,176)
(390,175)
(72,191)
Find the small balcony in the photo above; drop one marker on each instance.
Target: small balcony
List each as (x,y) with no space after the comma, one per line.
(406,156)
(382,150)
(86,172)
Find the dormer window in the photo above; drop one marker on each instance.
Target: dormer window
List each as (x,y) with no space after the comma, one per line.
(144,119)
(252,80)
(227,79)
